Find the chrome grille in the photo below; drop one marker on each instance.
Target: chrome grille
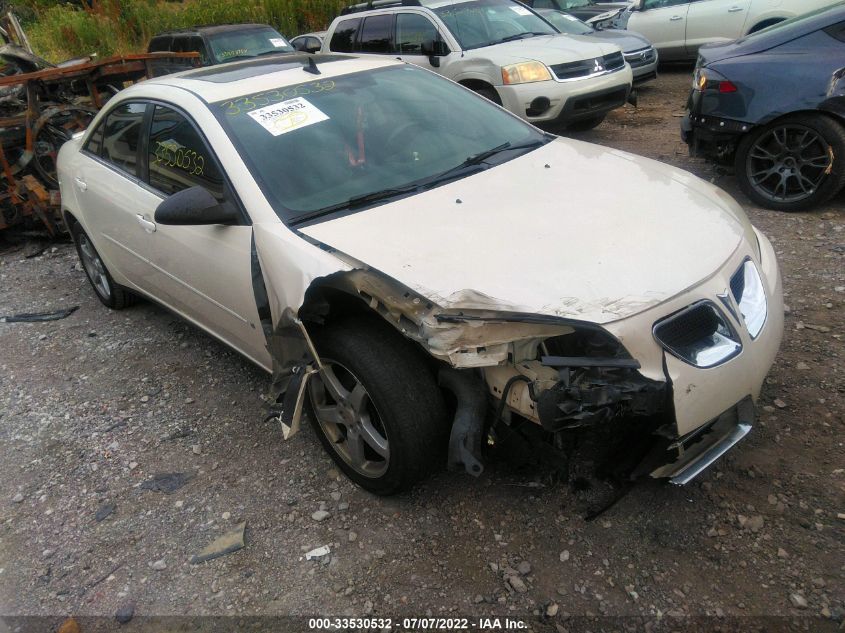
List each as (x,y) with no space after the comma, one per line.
(641,57)
(589,67)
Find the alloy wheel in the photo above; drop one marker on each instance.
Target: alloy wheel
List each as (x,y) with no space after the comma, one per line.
(94,267)
(788,163)
(348,417)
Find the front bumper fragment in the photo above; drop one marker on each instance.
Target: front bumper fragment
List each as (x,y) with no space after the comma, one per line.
(696,452)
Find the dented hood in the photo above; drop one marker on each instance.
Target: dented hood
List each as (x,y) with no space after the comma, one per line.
(571,229)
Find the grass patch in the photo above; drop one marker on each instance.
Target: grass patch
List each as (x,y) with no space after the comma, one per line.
(111,27)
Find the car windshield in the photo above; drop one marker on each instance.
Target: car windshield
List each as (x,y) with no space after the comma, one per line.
(486,22)
(337,145)
(566,23)
(574,4)
(245,43)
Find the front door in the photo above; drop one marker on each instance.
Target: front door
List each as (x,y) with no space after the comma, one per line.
(715,21)
(664,23)
(204,271)
(415,38)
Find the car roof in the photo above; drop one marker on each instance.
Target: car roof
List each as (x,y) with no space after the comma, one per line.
(384,5)
(235,79)
(212,29)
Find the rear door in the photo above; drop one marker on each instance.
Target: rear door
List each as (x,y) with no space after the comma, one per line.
(204,272)
(664,23)
(108,191)
(376,37)
(715,21)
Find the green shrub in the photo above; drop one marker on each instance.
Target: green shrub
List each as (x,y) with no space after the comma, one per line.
(59,30)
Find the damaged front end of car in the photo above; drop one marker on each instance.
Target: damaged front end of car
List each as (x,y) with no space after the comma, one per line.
(500,366)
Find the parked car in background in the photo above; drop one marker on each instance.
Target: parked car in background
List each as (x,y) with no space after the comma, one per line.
(308,42)
(637,50)
(677,28)
(217,44)
(773,105)
(385,242)
(585,10)
(501,49)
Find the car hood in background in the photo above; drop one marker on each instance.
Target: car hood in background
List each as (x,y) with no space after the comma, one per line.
(550,233)
(626,40)
(549,49)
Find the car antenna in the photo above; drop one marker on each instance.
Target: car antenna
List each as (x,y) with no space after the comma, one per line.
(312,66)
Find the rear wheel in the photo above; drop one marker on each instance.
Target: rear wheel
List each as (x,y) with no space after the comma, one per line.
(376,406)
(107,291)
(792,164)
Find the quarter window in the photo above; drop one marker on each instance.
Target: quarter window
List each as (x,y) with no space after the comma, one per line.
(121,136)
(376,34)
(343,40)
(179,157)
(412,31)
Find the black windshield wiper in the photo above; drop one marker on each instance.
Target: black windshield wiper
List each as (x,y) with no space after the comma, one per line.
(477,159)
(359,201)
(520,36)
(420,185)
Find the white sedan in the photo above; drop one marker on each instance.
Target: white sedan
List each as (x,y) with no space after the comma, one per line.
(409,261)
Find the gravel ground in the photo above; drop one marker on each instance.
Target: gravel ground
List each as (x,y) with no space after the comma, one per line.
(95,405)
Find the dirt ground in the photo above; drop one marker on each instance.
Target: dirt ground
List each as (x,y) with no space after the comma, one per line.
(94,405)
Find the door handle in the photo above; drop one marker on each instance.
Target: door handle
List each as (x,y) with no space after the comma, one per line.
(149,227)
(734,9)
(80,183)
(675,18)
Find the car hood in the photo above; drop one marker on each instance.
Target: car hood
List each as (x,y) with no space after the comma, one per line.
(597,9)
(550,233)
(625,40)
(549,49)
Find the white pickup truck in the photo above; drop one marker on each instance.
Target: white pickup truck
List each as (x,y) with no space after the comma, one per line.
(677,28)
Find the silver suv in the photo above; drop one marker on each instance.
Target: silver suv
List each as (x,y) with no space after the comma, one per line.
(500,48)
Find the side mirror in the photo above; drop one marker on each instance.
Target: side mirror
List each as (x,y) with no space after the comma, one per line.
(194,206)
(312,49)
(435,49)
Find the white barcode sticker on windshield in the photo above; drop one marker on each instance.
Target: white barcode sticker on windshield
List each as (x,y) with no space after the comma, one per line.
(520,10)
(287,116)
(278,42)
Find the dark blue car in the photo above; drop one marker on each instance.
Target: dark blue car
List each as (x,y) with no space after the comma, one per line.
(772,104)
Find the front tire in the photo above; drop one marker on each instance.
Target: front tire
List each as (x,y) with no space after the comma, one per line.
(376,406)
(793,164)
(108,292)
(586,125)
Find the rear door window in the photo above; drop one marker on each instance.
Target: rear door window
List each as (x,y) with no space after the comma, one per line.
(377,34)
(343,39)
(121,137)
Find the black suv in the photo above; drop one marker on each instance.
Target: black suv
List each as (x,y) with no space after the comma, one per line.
(217,45)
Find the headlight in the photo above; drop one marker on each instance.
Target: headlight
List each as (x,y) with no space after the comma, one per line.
(747,289)
(525,72)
